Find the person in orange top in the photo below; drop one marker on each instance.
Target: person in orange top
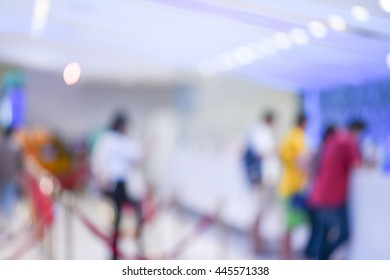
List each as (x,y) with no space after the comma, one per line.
(292,155)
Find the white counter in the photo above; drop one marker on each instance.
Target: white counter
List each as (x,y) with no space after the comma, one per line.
(204,180)
(370,210)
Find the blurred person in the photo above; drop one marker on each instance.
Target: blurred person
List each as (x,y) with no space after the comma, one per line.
(293,157)
(315,162)
(260,161)
(113,158)
(328,199)
(11,167)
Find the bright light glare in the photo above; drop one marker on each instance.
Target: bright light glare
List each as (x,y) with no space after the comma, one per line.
(388,60)
(40,14)
(41,9)
(337,23)
(72,73)
(258,49)
(270,47)
(299,36)
(244,55)
(225,62)
(385,5)
(282,41)
(318,29)
(360,13)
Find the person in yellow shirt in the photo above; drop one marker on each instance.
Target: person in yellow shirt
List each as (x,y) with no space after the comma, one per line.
(293,179)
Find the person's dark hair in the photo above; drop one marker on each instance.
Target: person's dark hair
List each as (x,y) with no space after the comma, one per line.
(268,116)
(301,119)
(328,131)
(119,121)
(357,125)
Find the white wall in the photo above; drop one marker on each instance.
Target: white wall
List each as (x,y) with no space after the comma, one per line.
(223,106)
(85,106)
(227,106)
(208,115)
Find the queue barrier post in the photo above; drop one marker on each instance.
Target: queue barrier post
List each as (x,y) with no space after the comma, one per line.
(69,201)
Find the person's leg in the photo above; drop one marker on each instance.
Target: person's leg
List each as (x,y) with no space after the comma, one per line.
(309,250)
(119,198)
(295,217)
(137,208)
(115,236)
(289,223)
(319,234)
(255,234)
(340,223)
(253,173)
(255,230)
(287,250)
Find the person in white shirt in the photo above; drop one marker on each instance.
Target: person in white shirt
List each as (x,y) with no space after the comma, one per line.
(262,169)
(113,157)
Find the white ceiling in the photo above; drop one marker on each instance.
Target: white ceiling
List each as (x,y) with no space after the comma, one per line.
(169,39)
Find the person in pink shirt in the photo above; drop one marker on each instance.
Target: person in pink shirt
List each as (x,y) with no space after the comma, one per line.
(329,195)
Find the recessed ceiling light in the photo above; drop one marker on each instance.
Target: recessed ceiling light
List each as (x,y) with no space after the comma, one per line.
(269,46)
(360,13)
(39,18)
(299,36)
(225,62)
(317,29)
(72,73)
(385,5)
(282,41)
(337,23)
(258,49)
(244,55)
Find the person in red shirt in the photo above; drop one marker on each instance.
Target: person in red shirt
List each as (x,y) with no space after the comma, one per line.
(329,196)
(314,165)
